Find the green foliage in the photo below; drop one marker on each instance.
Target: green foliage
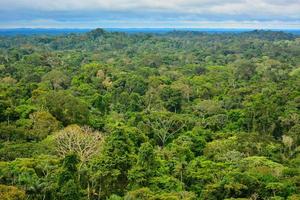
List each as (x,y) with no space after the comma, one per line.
(180,115)
(171,98)
(11,193)
(66,108)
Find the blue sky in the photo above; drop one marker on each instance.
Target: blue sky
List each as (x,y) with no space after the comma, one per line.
(150,13)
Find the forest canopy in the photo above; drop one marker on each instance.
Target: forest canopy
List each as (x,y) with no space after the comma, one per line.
(180,115)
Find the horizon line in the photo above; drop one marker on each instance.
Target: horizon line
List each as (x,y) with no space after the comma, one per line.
(91,28)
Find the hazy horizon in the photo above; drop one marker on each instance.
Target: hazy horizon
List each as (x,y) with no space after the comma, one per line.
(169,28)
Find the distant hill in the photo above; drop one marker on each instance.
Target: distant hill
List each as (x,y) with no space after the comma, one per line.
(53,31)
(269,35)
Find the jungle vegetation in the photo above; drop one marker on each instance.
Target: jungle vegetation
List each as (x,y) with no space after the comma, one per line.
(180,115)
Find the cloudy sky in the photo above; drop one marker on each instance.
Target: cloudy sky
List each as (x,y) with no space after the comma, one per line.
(150,13)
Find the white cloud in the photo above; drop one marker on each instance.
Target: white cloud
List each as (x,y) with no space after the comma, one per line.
(274,6)
(151,24)
(162,10)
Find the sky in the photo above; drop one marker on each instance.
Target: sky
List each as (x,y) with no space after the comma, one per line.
(261,14)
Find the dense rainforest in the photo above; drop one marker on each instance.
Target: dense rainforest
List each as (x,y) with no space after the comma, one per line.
(174,116)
